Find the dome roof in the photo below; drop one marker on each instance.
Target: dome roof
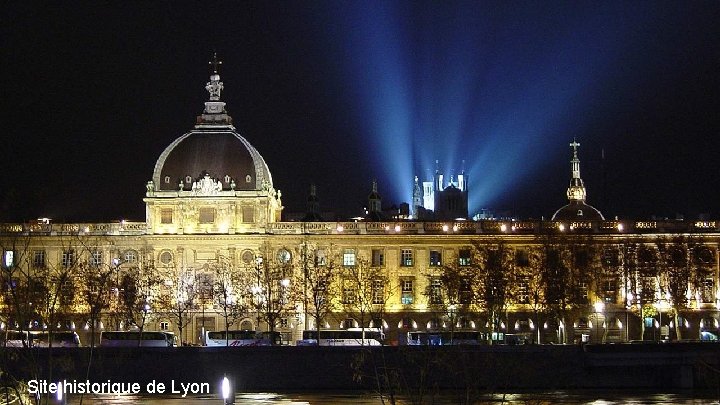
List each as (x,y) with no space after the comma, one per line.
(220,153)
(577,211)
(212,150)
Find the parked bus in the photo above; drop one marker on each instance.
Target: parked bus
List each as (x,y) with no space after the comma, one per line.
(14,338)
(238,338)
(59,339)
(343,337)
(421,338)
(136,339)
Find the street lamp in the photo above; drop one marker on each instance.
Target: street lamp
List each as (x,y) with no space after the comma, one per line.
(257,291)
(599,308)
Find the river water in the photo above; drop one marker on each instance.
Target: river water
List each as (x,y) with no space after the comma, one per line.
(604,397)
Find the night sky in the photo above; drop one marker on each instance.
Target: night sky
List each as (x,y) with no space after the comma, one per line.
(339,93)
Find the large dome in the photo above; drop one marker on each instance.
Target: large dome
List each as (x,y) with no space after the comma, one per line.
(220,153)
(213,150)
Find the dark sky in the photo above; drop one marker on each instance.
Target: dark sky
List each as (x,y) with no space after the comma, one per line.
(338,93)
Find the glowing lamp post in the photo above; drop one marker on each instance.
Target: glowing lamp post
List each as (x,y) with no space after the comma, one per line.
(226,392)
(599,308)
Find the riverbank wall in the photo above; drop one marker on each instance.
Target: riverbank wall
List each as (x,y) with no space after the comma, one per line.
(397,369)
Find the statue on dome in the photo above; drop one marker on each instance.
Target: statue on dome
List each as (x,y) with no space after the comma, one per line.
(206,186)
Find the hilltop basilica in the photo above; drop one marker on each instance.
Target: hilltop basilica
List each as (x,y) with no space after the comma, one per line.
(213,253)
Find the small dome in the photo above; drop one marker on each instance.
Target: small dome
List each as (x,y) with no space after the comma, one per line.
(577,211)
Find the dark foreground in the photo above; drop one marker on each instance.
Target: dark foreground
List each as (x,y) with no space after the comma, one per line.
(406,371)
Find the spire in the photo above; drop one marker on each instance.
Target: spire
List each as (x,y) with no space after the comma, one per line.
(374,204)
(214,113)
(313,206)
(214,86)
(576,191)
(417,198)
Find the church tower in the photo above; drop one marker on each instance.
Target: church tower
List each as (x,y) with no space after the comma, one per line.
(576,209)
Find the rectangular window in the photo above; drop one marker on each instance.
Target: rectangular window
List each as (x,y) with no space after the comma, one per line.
(583,290)
(708,289)
(435,258)
(68,258)
(610,290)
(611,257)
(65,292)
(320,257)
(465,295)
(39,259)
(284,323)
(166,216)
(378,257)
(378,292)
(207,215)
(164,325)
(522,292)
(8,258)
(521,258)
(349,258)
(407,297)
(348,297)
(96,258)
(248,215)
(435,291)
(464,257)
(406,257)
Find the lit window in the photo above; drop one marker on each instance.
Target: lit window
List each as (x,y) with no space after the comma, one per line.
(435,291)
(68,258)
(522,292)
(39,259)
(164,325)
(464,257)
(283,256)
(167,179)
(188,179)
(435,258)
(407,296)
(348,297)
(96,258)
(248,179)
(8,258)
(320,257)
(349,258)
(130,256)
(378,292)
(406,257)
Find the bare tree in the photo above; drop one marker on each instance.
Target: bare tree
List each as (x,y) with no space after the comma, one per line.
(138,294)
(530,277)
(230,294)
(317,282)
(179,297)
(272,292)
(369,288)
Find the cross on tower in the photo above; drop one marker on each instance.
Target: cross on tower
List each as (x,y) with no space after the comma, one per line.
(574,144)
(215,63)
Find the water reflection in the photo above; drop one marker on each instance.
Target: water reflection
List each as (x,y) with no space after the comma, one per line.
(354,398)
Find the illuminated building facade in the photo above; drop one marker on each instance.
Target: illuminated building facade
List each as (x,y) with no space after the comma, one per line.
(214,253)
